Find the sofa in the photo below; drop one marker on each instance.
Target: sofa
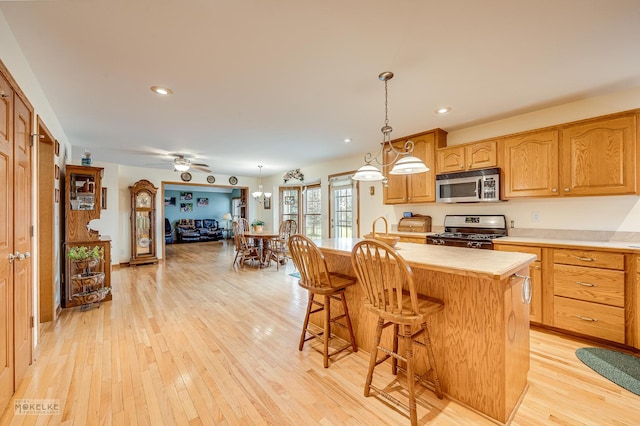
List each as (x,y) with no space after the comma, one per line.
(168,232)
(191,230)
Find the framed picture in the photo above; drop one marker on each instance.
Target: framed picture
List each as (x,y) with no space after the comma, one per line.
(203,202)
(169,201)
(289,200)
(186,196)
(57,172)
(57,148)
(103,198)
(186,207)
(57,196)
(267,203)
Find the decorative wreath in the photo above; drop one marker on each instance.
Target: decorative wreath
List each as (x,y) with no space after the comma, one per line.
(293,174)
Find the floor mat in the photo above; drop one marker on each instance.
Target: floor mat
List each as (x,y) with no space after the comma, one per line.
(620,368)
(295,274)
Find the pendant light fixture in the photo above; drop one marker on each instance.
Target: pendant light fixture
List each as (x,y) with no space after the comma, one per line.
(259,193)
(408,164)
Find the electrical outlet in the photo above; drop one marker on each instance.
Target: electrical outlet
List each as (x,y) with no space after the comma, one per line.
(535,217)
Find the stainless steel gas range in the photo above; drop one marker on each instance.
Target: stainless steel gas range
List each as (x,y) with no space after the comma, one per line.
(472,231)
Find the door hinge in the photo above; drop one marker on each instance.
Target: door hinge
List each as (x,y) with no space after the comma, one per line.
(32,230)
(32,321)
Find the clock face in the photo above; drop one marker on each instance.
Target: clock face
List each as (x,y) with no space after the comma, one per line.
(211,179)
(185,176)
(143,199)
(233,180)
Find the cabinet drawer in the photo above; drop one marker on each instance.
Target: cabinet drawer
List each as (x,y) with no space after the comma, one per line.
(593,319)
(589,284)
(520,249)
(595,259)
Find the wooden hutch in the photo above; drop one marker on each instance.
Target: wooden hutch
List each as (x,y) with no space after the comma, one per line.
(83,201)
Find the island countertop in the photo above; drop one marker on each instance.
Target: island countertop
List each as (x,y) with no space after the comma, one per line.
(455,260)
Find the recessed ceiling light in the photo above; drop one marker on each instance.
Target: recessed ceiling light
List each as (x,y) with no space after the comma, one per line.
(443,110)
(161,90)
(347,140)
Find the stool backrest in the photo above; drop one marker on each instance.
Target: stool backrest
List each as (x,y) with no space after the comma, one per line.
(310,262)
(244,225)
(383,275)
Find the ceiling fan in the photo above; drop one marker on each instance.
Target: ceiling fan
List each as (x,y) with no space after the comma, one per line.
(181,163)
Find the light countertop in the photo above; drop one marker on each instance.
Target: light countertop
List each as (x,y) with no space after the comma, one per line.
(622,246)
(463,261)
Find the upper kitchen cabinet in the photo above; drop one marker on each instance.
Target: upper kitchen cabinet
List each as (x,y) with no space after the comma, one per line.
(598,157)
(530,164)
(83,186)
(420,187)
(478,155)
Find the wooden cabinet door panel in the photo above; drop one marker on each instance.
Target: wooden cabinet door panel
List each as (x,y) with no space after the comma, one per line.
(450,159)
(395,191)
(531,165)
(598,158)
(421,187)
(481,155)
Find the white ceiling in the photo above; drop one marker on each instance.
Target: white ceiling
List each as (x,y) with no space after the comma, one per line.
(282,83)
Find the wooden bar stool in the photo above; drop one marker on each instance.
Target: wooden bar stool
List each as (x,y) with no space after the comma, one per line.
(315,277)
(390,293)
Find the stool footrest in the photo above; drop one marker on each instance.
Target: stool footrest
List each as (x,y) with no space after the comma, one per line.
(391,353)
(391,398)
(421,379)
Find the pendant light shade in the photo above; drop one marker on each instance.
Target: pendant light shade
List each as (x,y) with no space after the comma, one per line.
(368,173)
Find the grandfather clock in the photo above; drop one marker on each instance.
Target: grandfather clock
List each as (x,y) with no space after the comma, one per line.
(143,222)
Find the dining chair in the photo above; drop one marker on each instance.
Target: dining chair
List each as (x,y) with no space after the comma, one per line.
(278,247)
(390,293)
(244,251)
(319,281)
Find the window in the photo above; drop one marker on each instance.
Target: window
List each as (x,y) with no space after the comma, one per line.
(312,211)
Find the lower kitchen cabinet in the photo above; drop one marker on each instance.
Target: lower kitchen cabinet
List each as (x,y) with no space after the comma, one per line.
(535,272)
(584,291)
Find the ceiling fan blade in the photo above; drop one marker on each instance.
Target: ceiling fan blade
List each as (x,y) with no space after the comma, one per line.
(199,164)
(200,167)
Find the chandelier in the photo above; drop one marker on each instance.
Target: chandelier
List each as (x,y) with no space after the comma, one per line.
(406,165)
(260,192)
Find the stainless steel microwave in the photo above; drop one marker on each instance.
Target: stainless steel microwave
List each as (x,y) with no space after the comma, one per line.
(472,186)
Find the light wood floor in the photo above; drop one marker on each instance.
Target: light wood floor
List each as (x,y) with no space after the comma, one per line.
(194,341)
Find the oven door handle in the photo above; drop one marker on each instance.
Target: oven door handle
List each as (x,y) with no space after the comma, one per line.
(479,189)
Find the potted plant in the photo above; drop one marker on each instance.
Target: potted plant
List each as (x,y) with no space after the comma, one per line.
(258,225)
(85,257)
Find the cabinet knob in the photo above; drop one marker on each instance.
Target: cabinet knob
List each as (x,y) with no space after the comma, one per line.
(554,190)
(566,190)
(462,166)
(469,165)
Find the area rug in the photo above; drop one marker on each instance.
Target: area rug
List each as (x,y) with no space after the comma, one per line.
(295,274)
(620,368)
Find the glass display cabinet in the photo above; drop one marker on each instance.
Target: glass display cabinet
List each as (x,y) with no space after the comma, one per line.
(83,187)
(143,222)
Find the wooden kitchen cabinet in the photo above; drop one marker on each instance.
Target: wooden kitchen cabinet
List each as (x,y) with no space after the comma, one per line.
(589,295)
(417,188)
(590,157)
(598,157)
(530,164)
(535,272)
(478,155)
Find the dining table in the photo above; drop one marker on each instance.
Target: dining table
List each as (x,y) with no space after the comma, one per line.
(261,240)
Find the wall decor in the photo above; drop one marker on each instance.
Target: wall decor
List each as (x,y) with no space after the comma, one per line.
(185,176)
(186,207)
(233,180)
(267,203)
(211,179)
(103,199)
(289,200)
(169,201)
(203,202)
(57,172)
(186,196)
(57,148)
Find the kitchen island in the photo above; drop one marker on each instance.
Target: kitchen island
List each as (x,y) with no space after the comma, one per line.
(480,339)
